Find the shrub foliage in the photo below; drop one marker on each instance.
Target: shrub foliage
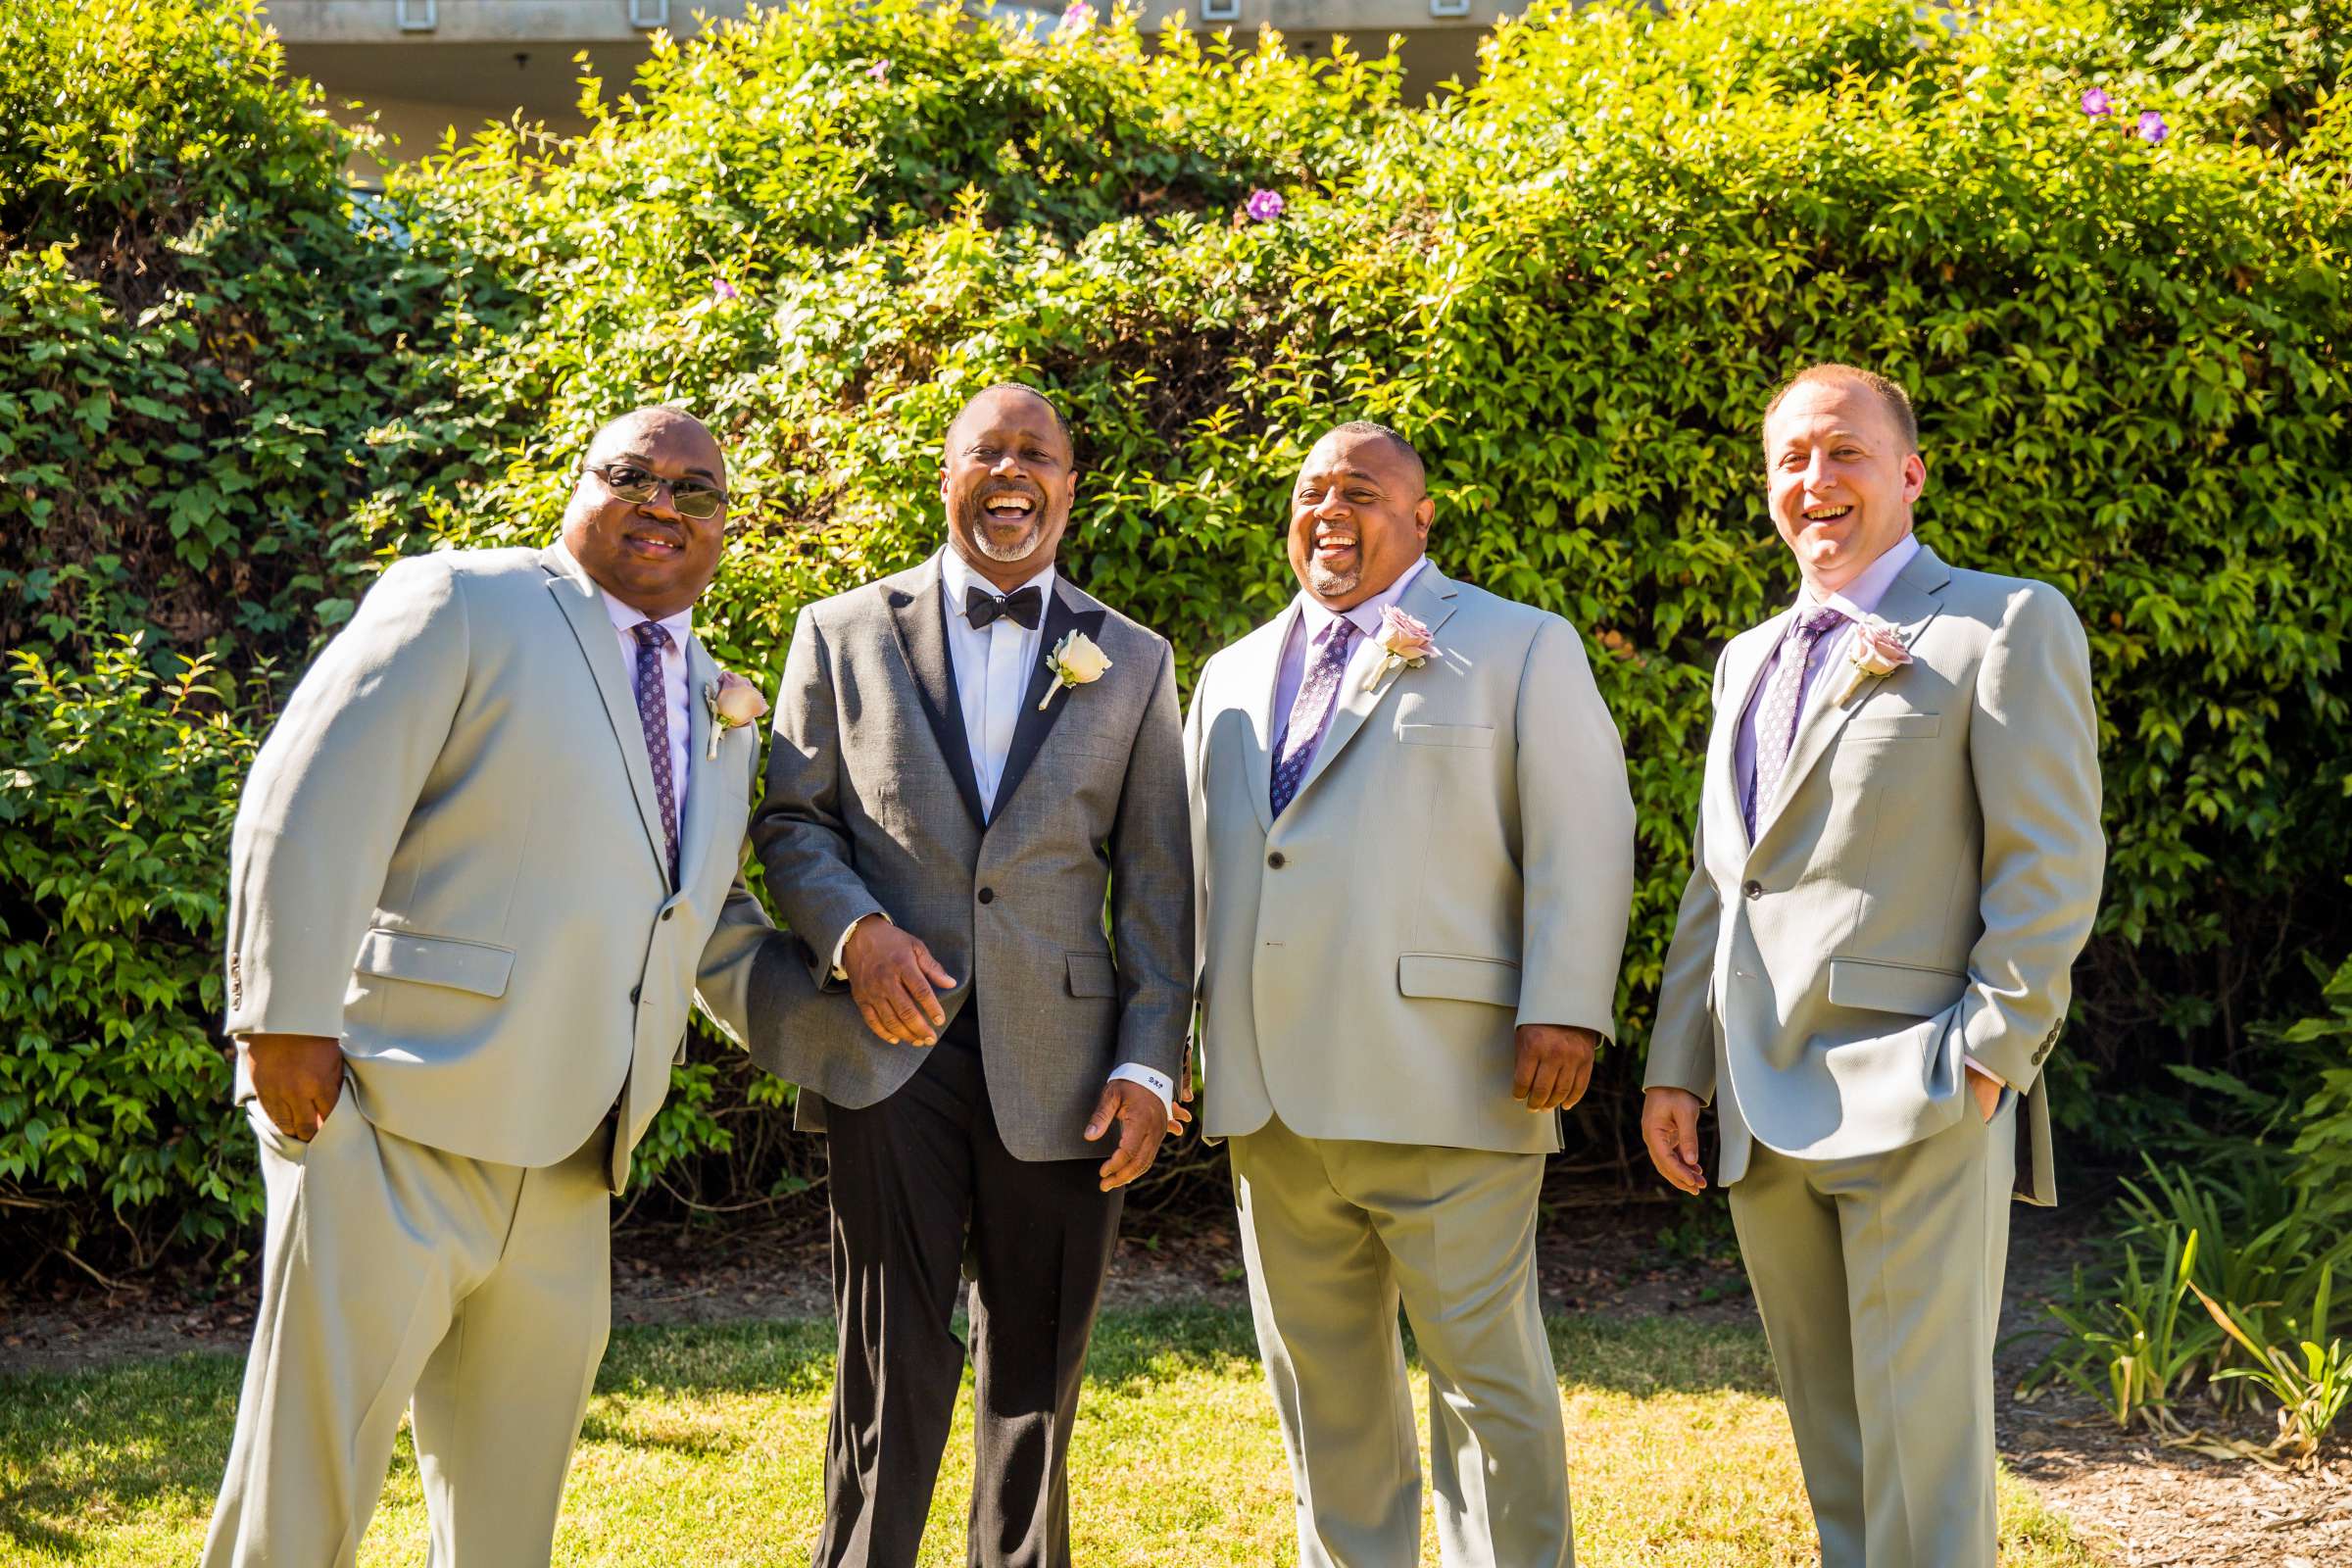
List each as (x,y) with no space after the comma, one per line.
(1574,283)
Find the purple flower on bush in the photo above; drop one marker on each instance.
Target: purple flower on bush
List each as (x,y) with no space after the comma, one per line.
(722,291)
(1264,206)
(2152,127)
(1074,20)
(2095,102)
(879,70)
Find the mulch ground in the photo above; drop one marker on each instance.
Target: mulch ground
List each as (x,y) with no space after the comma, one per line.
(2142,1504)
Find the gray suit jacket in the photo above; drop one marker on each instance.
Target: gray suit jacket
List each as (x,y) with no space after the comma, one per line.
(1457,861)
(450,855)
(871,806)
(1918,892)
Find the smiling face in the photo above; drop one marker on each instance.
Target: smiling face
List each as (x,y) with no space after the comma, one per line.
(645,553)
(1841,477)
(1006,480)
(1360,517)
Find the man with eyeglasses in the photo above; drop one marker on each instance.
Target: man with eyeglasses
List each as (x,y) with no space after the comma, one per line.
(484,863)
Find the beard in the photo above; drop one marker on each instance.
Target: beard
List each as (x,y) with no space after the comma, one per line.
(1004,542)
(1323,580)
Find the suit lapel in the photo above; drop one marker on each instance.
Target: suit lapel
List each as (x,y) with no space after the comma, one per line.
(1749,658)
(1041,704)
(1911,601)
(702,783)
(1262,680)
(1430,600)
(583,607)
(919,614)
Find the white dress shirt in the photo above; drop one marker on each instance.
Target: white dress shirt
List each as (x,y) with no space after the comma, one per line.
(1857,601)
(625,620)
(991,665)
(1313,619)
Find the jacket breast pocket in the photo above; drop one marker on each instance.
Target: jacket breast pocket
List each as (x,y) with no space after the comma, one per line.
(475,966)
(1914,991)
(1452,978)
(1468,737)
(1893,726)
(1092,974)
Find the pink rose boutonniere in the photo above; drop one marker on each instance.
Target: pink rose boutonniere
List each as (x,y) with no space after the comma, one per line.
(1878,649)
(733,703)
(1402,640)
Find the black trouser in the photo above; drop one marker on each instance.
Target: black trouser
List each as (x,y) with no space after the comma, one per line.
(909,1177)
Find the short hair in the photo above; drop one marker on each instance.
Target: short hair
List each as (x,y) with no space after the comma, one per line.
(1052,407)
(1890,394)
(1373,429)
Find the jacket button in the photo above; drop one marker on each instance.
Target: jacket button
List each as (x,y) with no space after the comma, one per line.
(988,895)
(1276,860)
(666,913)
(635,992)
(1753,889)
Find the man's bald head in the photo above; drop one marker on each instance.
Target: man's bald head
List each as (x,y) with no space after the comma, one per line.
(1013,394)
(662,423)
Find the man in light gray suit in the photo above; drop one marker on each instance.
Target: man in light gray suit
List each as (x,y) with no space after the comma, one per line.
(970,757)
(485,861)
(1896,860)
(1415,841)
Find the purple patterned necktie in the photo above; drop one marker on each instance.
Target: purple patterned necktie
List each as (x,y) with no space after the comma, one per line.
(652,710)
(1310,712)
(1775,715)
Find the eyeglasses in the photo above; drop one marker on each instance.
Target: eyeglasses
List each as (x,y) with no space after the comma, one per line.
(689,497)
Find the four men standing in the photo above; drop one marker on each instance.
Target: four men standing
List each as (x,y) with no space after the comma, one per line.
(1412,832)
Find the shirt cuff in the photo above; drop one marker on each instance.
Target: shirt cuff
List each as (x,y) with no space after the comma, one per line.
(1159,1083)
(1983,1071)
(843,945)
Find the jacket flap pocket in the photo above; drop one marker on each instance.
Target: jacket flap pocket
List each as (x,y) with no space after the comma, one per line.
(1093,976)
(1441,975)
(1893,726)
(1478,737)
(1918,993)
(474,966)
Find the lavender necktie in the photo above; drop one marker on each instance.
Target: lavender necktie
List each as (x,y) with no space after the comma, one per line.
(652,712)
(1775,715)
(1310,712)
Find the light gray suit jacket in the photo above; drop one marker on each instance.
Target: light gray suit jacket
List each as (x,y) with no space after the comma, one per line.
(1458,861)
(449,855)
(1917,893)
(871,808)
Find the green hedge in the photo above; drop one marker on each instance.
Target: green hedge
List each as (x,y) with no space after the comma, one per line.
(1574,283)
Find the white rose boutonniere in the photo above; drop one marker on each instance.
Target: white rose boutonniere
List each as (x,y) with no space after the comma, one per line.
(1878,649)
(733,703)
(1075,662)
(1402,640)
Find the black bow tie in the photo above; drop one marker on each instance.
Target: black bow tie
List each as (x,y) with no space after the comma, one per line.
(1022,606)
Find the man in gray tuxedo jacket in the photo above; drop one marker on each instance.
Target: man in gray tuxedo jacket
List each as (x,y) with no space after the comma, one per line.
(1896,860)
(1415,840)
(970,757)
(486,860)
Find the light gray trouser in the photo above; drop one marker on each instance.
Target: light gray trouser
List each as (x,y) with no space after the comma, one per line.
(1879,1278)
(1337,1234)
(392,1268)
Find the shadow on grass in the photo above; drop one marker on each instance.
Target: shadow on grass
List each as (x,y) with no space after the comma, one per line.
(96,1447)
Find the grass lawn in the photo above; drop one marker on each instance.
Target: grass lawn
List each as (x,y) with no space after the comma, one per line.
(704,1446)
